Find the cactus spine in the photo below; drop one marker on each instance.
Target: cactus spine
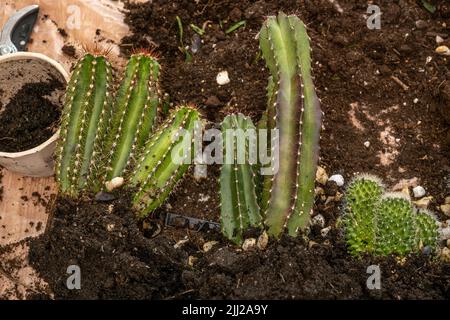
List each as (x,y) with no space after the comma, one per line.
(135,113)
(385,223)
(239,205)
(286,49)
(157,171)
(85,118)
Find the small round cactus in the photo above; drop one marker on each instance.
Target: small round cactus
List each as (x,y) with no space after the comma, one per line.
(385,223)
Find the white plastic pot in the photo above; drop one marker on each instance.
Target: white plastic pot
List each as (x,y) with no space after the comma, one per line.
(36,162)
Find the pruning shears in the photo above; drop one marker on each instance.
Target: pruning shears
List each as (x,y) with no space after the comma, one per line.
(16,32)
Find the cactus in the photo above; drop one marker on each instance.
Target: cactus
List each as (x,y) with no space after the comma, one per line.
(239,205)
(395,225)
(135,113)
(157,171)
(286,49)
(85,118)
(385,223)
(362,197)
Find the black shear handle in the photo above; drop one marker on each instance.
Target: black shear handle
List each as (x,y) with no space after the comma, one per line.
(21,33)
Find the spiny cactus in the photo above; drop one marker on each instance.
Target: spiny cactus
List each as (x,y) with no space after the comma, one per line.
(85,118)
(135,113)
(362,197)
(285,46)
(385,223)
(157,171)
(239,205)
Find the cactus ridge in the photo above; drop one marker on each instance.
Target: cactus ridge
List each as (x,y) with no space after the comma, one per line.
(385,223)
(135,113)
(286,49)
(83,126)
(239,204)
(157,173)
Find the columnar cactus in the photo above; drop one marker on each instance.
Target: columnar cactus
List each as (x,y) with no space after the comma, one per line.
(85,118)
(164,160)
(239,205)
(385,223)
(286,49)
(135,113)
(362,198)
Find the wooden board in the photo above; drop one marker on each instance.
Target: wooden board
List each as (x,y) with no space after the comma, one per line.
(20,218)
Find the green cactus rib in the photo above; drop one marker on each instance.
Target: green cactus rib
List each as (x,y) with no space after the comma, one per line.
(286,49)
(157,173)
(84,124)
(362,198)
(239,203)
(135,113)
(385,223)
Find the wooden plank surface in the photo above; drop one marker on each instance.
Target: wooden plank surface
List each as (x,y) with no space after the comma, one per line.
(22,214)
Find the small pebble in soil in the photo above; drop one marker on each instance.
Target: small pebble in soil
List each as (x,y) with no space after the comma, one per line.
(223,78)
(115,183)
(439,39)
(104,196)
(423,203)
(339,179)
(324,232)
(249,244)
(263,241)
(367,144)
(321,176)
(318,220)
(443,50)
(419,192)
(445,208)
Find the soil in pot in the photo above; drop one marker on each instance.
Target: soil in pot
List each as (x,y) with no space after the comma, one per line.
(30,105)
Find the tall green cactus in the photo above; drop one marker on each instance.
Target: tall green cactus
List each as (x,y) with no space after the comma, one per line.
(384,223)
(135,113)
(239,205)
(286,49)
(157,170)
(85,118)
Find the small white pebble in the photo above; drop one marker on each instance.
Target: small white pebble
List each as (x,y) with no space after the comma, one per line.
(339,179)
(416,100)
(115,183)
(249,244)
(439,39)
(223,78)
(367,144)
(318,220)
(419,192)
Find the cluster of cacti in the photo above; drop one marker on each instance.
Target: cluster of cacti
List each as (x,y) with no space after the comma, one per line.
(239,204)
(102,140)
(385,223)
(287,197)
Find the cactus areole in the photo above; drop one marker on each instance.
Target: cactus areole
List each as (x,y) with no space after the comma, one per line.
(296,112)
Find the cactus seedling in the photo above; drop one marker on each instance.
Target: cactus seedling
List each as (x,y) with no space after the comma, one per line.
(384,224)
(135,113)
(164,160)
(85,118)
(239,204)
(286,49)
(362,198)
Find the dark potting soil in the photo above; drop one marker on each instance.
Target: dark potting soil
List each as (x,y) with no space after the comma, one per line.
(29,118)
(353,69)
(117,262)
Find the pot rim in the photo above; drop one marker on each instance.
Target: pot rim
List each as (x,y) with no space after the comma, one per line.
(61,70)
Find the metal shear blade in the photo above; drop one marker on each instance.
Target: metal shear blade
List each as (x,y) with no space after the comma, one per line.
(17,30)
